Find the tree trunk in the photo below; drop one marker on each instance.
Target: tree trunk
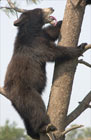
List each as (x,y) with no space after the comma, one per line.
(64,73)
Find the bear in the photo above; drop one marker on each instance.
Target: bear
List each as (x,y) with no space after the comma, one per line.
(25,78)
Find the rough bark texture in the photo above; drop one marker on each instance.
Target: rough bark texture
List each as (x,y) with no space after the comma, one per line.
(64,73)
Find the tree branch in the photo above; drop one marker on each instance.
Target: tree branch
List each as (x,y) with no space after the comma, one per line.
(81,61)
(62,134)
(70,129)
(12,5)
(81,107)
(5,7)
(75,4)
(50,136)
(47,136)
(87,47)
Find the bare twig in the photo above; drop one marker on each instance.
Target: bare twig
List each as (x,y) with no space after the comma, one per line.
(50,136)
(5,7)
(87,47)
(15,8)
(81,61)
(70,129)
(62,134)
(81,107)
(47,136)
(12,7)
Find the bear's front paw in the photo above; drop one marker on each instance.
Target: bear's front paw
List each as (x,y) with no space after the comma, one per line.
(82,46)
(81,49)
(59,23)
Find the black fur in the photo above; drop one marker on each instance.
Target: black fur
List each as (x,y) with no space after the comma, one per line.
(26,76)
(88,2)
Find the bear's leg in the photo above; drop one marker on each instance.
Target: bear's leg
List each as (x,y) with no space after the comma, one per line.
(36,116)
(33,112)
(30,131)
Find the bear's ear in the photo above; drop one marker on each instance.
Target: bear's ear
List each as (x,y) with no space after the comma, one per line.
(21,19)
(18,22)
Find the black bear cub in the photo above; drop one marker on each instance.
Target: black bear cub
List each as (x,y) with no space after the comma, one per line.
(26,76)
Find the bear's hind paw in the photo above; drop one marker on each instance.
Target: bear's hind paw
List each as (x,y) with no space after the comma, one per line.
(48,128)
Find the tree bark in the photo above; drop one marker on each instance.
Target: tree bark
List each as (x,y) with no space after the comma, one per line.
(64,73)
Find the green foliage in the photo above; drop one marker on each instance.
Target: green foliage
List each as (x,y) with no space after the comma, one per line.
(9,11)
(11,132)
(79,134)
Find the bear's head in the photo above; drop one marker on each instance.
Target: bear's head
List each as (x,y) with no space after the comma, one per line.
(35,18)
